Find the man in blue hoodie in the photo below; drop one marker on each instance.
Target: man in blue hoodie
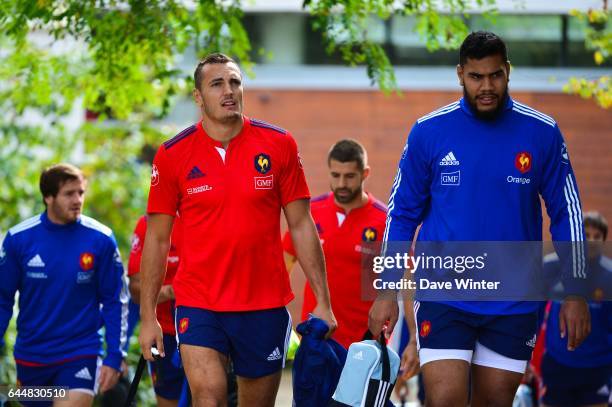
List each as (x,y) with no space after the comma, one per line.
(475,170)
(68,271)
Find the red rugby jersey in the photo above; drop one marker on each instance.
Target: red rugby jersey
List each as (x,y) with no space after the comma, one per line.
(342,245)
(165,310)
(229,202)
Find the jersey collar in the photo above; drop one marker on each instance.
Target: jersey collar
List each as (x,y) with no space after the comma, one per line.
(54,226)
(246,126)
(340,209)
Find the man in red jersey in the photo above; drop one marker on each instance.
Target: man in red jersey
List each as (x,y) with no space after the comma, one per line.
(167,377)
(229,176)
(347,219)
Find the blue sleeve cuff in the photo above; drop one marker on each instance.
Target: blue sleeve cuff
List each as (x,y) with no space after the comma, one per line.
(577,287)
(114,360)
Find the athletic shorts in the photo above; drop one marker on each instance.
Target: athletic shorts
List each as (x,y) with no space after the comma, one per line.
(499,341)
(166,374)
(77,374)
(256,341)
(573,386)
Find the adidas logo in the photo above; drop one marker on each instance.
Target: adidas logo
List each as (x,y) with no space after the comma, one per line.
(449,159)
(532,342)
(36,261)
(275,355)
(83,374)
(195,173)
(603,390)
(358,355)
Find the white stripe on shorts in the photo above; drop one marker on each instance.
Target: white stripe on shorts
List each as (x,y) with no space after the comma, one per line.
(484,356)
(287,337)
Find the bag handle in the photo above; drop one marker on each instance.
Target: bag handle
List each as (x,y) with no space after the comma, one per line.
(386,365)
(129,401)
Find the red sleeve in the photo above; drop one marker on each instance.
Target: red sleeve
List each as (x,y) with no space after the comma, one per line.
(164,190)
(137,245)
(293,181)
(288,244)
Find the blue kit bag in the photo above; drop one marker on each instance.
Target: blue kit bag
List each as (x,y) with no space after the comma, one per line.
(368,375)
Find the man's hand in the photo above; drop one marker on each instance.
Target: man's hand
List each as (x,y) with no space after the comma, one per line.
(383,310)
(574,321)
(166,294)
(326,314)
(410,361)
(108,378)
(151,335)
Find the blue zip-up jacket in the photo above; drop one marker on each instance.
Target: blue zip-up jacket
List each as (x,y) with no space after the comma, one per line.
(596,350)
(64,273)
(467,179)
(317,365)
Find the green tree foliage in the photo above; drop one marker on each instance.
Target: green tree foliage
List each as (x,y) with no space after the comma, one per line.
(117,59)
(599,40)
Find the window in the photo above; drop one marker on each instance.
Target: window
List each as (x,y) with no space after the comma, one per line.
(533,40)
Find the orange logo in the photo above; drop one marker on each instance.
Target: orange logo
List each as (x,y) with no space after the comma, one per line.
(522,162)
(86,261)
(425,328)
(183,325)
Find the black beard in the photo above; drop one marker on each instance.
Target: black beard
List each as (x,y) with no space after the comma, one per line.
(348,199)
(489,115)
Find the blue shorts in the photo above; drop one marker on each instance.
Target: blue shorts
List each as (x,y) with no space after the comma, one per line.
(498,341)
(78,374)
(256,341)
(166,373)
(573,386)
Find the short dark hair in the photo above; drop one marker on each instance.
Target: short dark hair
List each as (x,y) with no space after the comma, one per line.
(53,177)
(596,220)
(214,58)
(348,150)
(480,44)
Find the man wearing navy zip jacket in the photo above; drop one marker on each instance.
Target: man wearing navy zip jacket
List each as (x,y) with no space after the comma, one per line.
(64,265)
(582,377)
(474,170)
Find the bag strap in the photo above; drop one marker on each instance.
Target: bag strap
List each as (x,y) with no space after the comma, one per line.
(129,401)
(386,364)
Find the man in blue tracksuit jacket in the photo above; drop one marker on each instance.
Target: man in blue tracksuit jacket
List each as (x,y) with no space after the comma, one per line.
(582,377)
(68,271)
(474,170)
